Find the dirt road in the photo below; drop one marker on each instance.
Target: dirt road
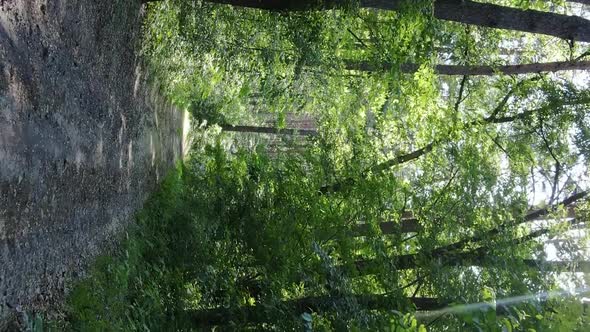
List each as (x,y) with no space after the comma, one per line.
(83,140)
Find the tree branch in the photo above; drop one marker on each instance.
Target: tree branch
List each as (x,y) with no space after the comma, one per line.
(495,231)
(404,158)
(460,97)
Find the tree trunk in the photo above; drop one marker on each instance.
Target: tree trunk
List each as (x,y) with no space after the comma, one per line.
(409,262)
(472,258)
(258,314)
(548,67)
(269,130)
(463,11)
(404,158)
(448,255)
(495,16)
(495,231)
(410,224)
(407,225)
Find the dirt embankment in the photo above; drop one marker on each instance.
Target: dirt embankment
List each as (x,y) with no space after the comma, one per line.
(83,140)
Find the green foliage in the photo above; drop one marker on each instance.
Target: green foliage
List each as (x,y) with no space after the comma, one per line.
(141,287)
(221,232)
(244,237)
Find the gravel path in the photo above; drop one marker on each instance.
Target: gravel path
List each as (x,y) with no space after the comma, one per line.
(84,139)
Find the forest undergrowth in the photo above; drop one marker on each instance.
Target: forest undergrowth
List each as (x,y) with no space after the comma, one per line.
(441,185)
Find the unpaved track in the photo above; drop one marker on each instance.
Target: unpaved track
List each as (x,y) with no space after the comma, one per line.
(83,140)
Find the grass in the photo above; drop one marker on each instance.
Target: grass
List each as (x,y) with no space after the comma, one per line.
(141,286)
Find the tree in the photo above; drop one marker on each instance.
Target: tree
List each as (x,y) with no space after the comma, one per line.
(269,130)
(493,118)
(410,224)
(480,259)
(463,11)
(487,234)
(474,70)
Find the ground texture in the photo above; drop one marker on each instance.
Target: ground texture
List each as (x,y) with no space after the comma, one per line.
(84,139)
